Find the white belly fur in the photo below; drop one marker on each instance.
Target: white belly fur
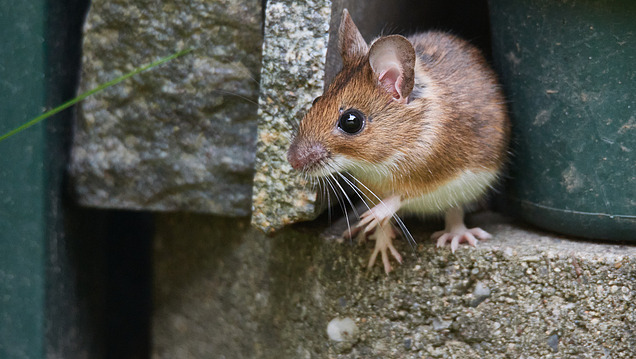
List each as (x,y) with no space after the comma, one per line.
(463,190)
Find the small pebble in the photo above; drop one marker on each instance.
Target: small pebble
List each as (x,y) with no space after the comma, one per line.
(553,342)
(341,330)
(508,252)
(408,343)
(481,293)
(440,324)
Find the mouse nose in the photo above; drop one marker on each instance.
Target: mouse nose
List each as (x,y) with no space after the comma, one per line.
(306,156)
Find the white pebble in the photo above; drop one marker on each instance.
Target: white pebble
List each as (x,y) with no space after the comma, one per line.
(342,329)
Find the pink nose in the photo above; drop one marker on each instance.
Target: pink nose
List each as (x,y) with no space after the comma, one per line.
(305,156)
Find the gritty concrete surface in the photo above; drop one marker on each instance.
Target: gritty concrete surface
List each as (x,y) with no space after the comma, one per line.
(224,290)
(181,136)
(292,75)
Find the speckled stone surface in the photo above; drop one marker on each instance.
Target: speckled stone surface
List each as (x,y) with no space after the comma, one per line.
(292,75)
(223,289)
(181,136)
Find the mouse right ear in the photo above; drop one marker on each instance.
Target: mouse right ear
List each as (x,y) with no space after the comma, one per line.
(350,42)
(392,58)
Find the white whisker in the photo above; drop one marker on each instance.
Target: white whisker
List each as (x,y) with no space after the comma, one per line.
(344,207)
(405,230)
(346,196)
(361,194)
(341,202)
(326,194)
(356,190)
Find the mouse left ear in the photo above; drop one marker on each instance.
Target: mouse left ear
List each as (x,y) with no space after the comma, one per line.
(392,58)
(350,42)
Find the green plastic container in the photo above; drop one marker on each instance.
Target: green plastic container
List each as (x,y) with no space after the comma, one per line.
(569,71)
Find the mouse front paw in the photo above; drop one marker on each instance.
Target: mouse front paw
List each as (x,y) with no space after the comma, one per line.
(383,236)
(455,237)
(376,224)
(373,219)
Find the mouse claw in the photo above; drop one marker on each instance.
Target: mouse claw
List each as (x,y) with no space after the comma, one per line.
(454,243)
(441,239)
(479,233)
(470,239)
(363,228)
(470,236)
(352,232)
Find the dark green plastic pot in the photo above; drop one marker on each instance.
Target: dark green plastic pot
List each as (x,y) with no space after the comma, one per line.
(569,71)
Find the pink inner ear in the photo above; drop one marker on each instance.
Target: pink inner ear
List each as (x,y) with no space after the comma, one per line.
(391,80)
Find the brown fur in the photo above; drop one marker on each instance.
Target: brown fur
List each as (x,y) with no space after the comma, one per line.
(460,124)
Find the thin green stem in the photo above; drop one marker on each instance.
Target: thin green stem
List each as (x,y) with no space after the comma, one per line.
(91,92)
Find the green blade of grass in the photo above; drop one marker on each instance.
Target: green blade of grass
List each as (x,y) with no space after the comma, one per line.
(91,92)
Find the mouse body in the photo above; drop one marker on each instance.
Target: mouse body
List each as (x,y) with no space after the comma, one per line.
(418,124)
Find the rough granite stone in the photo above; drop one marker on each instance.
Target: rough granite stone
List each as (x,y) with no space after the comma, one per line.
(223,289)
(292,75)
(181,136)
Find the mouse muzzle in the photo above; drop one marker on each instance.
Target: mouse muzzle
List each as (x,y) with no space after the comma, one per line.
(307,156)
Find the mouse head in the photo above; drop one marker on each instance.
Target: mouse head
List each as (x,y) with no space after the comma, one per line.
(360,119)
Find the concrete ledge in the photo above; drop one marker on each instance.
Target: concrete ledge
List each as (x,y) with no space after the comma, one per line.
(227,290)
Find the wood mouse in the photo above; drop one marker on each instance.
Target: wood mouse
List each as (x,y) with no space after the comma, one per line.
(418,124)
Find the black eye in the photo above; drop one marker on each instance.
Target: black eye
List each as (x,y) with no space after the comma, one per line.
(316,100)
(351,122)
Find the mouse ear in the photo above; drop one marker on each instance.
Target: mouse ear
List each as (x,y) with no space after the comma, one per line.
(350,42)
(392,58)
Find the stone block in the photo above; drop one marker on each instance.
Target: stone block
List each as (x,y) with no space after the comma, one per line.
(292,75)
(181,136)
